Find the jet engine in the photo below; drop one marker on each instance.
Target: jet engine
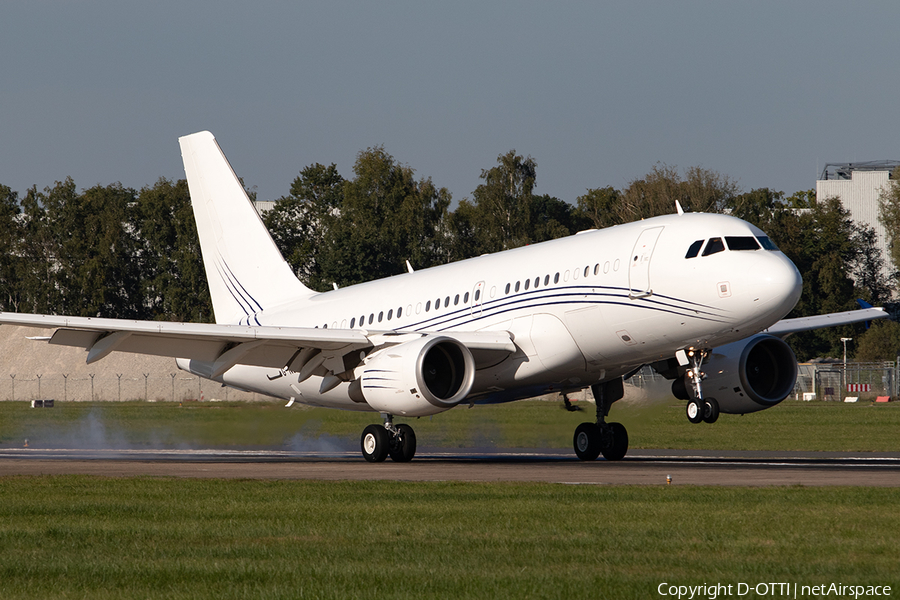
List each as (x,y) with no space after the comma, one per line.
(747,376)
(418,378)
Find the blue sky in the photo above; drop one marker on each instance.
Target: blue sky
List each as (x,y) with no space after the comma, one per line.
(764,92)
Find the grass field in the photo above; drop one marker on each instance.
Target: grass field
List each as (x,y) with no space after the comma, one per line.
(81,537)
(817,426)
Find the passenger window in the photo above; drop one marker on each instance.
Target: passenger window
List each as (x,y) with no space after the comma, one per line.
(527,283)
(507,288)
(380,316)
(546,280)
(587,271)
(556,278)
(537,282)
(371,318)
(713,246)
(446,301)
(597,269)
(517,286)
(466,298)
(767,243)
(477,295)
(352,322)
(428,306)
(437,304)
(456,300)
(399,312)
(390,314)
(694,250)
(362,320)
(742,243)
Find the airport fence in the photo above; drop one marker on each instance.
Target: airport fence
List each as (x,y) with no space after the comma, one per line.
(100,387)
(837,381)
(815,381)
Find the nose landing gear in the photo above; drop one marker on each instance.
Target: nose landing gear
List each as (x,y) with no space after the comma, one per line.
(698,408)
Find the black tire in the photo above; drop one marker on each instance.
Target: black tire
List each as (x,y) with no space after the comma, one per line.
(375,443)
(710,411)
(694,411)
(618,447)
(403,446)
(587,441)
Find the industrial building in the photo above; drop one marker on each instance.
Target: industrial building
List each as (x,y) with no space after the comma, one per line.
(858,186)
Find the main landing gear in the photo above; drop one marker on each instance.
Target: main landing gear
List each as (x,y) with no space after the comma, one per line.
(380,441)
(699,408)
(610,439)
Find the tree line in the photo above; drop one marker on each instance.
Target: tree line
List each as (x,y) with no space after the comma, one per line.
(117,252)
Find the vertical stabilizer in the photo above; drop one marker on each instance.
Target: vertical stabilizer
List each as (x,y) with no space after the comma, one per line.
(246,272)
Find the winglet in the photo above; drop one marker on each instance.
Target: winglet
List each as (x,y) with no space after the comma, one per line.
(864,304)
(678,207)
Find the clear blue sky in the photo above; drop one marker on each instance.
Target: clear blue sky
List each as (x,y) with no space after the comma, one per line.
(596,92)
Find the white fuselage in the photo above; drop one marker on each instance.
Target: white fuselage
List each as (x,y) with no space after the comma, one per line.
(581,309)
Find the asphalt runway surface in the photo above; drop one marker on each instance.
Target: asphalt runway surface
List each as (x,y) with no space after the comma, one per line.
(640,467)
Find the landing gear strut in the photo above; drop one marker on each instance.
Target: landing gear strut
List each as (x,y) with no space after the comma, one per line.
(699,408)
(610,439)
(380,441)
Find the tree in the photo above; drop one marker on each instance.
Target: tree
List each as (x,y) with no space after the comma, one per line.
(386,218)
(880,342)
(503,203)
(599,206)
(301,221)
(11,260)
(868,266)
(172,279)
(824,246)
(552,218)
(98,273)
(889,215)
(700,190)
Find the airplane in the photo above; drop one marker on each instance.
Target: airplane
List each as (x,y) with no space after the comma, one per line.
(700,297)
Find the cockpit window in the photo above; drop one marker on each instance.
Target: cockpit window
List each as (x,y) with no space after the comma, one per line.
(741,243)
(694,250)
(714,245)
(767,243)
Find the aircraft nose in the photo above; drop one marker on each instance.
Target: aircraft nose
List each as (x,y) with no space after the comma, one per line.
(779,283)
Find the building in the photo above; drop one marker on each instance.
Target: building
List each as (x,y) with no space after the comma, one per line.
(859,186)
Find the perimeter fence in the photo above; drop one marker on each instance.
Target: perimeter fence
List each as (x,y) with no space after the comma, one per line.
(815,381)
(98,387)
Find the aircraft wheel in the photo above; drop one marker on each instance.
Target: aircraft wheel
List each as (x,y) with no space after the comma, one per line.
(710,411)
(619,442)
(694,411)
(403,446)
(375,443)
(587,441)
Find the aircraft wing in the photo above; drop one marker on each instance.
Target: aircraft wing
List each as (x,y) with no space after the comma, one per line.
(225,345)
(785,327)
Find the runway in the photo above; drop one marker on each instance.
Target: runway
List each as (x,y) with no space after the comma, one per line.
(640,467)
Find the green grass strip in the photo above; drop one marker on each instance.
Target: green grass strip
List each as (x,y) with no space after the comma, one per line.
(792,425)
(83,537)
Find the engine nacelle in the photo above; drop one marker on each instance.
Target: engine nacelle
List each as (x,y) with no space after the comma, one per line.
(750,375)
(418,378)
